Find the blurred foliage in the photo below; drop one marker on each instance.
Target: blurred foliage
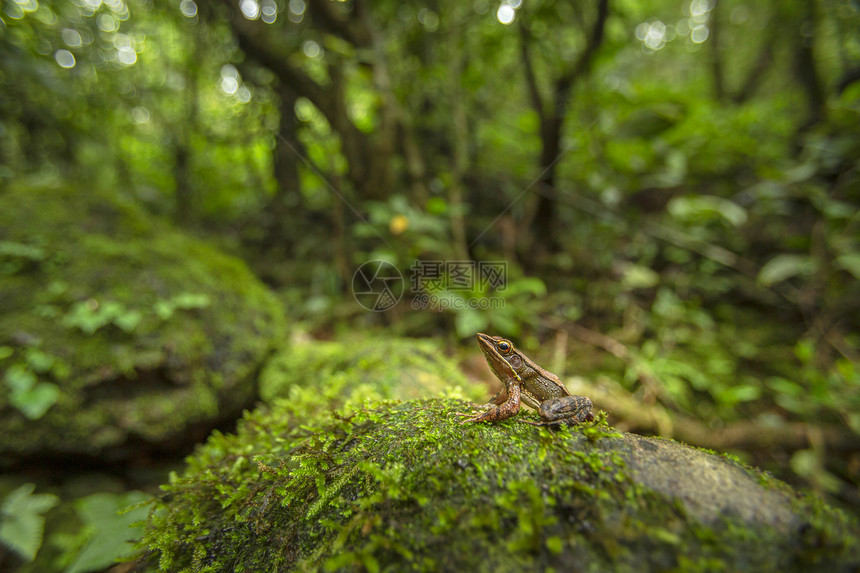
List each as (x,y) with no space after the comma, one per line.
(21,519)
(704,212)
(106,533)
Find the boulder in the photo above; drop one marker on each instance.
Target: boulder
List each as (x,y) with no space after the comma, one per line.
(119,333)
(405,486)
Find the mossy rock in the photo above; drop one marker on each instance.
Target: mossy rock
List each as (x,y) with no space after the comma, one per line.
(325,375)
(118,332)
(406,487)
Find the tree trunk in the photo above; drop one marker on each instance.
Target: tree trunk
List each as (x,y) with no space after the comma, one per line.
(545,223)
(286,155)
(183,178)
(806,70)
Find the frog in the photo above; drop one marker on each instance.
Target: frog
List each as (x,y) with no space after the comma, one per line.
(524,381)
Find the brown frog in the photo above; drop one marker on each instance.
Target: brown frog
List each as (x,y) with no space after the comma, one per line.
(525,381)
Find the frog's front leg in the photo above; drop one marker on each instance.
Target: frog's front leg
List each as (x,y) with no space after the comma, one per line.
(564,410)
(503,411)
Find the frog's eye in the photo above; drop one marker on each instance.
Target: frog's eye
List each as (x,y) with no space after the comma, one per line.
(504,347)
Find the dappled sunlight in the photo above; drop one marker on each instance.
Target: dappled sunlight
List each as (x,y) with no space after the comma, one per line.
(265,10)
(231,84)
(656,34)
(652,34)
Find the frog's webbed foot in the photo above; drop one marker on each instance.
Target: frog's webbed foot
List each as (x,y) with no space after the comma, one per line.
(475,413)
(495,414)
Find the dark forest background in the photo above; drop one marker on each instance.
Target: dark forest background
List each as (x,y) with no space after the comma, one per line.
(673,185)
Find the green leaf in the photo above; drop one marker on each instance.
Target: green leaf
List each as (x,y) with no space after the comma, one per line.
(436,206)
(35,401)
(504,322)
(804,463)
(783,267)
(128,321)
(164,309)
(851,263)
(532,285)
(189,300)
(785,387)
(113,531)
(804,350)
(6,352)
(469,321)
(696,209)
(637,276)
(735,394)
(38,361)
(88,316)
(20,251)
(555,544)
(19,378)
(21,521)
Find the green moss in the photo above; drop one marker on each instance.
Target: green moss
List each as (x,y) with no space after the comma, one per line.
(405,486)
(146,330)
(326,375)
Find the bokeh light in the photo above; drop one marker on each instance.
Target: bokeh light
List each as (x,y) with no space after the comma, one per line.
(107,23)
(429,19)
(125,52)
(229,79)
(268,11)
(311,49)
(250,9)
(188,8)
(140,115)
(65,59)
(699,34)
(72,38)
(653,34)
(506,14)
(296,11)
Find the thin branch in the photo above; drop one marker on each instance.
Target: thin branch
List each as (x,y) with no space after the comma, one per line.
(586,58)
(756,73)
(531,78)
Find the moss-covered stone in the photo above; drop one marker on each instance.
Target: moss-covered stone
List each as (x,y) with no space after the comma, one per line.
(404,486)
(117,330)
